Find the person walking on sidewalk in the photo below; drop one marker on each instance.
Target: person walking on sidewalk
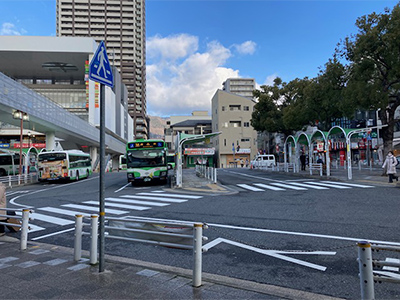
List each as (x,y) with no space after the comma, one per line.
(390,165)
(3,204)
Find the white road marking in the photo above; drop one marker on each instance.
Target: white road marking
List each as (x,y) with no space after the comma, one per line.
(122,188)
(251,188)
(34,228)
(52,234)
(53,220)
(61,211)
(171,195)
(273,253)
(388,268)
(120,205)
(309,186)
(324,236)
(388,274)
(96,209)
(154,198)
(288,186)
(135,202)
(350,184)
(329,185)
(274,188)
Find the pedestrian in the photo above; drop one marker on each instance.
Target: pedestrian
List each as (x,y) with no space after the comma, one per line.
(247,163)
(207,163)
(241,163)
(3,204)
(390,165)
(319,160)
(303,161)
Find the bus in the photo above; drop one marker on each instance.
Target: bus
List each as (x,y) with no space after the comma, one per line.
(122,162)
(171,161)
(9,163)
(146,161)
(64,165)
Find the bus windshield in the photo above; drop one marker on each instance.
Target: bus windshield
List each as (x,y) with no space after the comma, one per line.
(146,158)
(52,156)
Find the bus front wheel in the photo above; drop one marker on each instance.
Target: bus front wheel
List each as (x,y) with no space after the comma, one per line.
(3,172)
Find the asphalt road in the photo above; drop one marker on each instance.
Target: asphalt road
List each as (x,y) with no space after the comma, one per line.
(273,228)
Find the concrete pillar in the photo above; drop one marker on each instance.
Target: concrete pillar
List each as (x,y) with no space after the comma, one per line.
(50,141)
(93,155)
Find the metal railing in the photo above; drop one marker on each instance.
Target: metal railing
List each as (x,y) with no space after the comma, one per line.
(367,264)
(24,223)
(19,179)
(209,173)
(170,233)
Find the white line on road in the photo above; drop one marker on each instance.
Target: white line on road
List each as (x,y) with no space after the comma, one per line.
(274,188)
(120,205)
(309,186)
(171,195)
(95,209)
(50,219)
(350,184)
(136,202)
(286,186)
(122,188)
(249,187)
(335,237)
(154,198)
(52,234)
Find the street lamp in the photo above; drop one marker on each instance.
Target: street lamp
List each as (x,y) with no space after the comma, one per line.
(17,114)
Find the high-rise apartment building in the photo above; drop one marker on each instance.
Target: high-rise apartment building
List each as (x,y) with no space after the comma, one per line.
(240,86)
(121,25)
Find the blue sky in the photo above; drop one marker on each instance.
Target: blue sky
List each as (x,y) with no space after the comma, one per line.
(193,46)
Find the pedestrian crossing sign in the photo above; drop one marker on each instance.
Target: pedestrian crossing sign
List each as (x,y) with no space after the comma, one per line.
(100,68)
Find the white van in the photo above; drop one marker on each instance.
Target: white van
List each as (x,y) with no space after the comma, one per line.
(262,161)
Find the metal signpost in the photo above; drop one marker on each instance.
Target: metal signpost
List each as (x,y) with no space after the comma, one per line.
(100,71)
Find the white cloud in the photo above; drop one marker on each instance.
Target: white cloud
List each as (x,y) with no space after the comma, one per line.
(270,79)
(10,29)
(177,87)
(172,47)
(248,47)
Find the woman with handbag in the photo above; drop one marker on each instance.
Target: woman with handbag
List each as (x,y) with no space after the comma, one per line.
(390,165)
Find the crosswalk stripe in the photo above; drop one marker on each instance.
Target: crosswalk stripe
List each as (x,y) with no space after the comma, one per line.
(171,195)
(154,198)
(329,185)
(96,209)
(120,205)
(251,188)
(50,219)
(274,188)
(34,228)
(309,186)
(60,211)
(288,186)
(136,202)
(350,184)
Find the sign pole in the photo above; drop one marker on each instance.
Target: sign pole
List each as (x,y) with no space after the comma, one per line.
(102,175)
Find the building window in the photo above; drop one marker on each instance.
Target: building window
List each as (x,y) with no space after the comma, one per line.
(235,123)
(246,124)
(246,108)
(224,142)
(234,107)
(245,140)
(225,125)
(223,108)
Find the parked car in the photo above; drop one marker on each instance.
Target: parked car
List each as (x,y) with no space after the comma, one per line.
(260,161)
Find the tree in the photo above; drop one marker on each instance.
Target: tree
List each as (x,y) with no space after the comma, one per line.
(374,70)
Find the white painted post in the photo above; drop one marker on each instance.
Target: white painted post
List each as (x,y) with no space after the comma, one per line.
(78,237)
(93,239)
(359,165)
(215,175)
(9,181)
(197,253)
(366,271)
(320,170)
(19,179)
(337,164)
(24,228)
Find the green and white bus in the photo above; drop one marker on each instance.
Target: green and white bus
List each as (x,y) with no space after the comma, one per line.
(9,163)
(146,161)
(64,165)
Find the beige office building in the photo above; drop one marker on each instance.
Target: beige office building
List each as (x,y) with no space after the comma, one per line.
(231,115)
(121,25)
(240,86)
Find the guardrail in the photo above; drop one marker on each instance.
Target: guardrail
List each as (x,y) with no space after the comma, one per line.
(19,179)
(367,264)
(317,167)
(209,173)
(170,233)
(24,225)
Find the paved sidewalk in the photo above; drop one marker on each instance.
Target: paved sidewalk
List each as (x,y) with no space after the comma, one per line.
(48,272)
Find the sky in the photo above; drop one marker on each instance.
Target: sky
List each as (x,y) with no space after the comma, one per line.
(193,46)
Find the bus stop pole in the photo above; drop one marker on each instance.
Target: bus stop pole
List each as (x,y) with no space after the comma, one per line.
(102,175)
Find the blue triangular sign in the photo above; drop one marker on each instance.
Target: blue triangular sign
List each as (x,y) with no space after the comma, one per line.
(100,68)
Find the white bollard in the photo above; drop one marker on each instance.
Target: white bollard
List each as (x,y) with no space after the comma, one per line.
(215,175)
(197,253)
(366,270)
(78,237)
(359,165)
(24,228)
(93,239)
